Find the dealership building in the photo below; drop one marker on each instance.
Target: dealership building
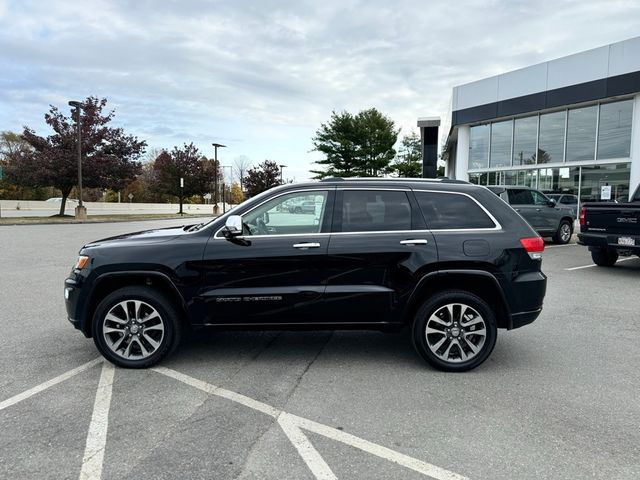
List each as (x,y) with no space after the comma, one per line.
(570,125)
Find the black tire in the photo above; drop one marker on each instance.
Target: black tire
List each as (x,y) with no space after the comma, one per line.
(603,257)
(431,307)
(167,315)
(297,210)
(564,233)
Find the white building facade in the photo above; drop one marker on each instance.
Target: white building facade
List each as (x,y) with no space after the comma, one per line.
(570,125)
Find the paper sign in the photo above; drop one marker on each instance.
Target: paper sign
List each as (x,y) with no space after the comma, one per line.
(605,192)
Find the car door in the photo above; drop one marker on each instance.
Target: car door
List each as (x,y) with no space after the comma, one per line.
(378,241)
(549,214)
(275,272)
(522,202)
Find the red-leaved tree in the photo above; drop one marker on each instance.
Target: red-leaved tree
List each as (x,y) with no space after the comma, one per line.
(109,156)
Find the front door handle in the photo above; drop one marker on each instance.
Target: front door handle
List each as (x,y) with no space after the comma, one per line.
(306,245)
(414,241)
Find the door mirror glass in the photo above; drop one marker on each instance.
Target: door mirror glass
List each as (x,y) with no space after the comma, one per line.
(551,202)
(233,226)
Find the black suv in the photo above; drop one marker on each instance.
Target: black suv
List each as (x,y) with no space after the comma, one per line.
(448,259)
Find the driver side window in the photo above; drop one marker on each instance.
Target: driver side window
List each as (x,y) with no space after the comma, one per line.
(293,213)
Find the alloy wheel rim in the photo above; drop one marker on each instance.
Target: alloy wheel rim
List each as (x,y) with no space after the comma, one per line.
(133,329)
(565,232)
(456,333)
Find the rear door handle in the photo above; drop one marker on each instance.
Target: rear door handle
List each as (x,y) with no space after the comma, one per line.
(306,245)
(414,241)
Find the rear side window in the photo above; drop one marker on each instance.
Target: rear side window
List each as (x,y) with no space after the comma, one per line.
(520,197)
(370,210)
(452,211)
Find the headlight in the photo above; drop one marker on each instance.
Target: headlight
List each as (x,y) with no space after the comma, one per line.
(82,261)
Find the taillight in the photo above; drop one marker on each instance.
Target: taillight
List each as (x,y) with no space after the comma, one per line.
(534,246)
(583,212)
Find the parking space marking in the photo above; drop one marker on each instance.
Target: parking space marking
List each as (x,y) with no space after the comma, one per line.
(594,265)
(560,246)
(97,436)
(48,384)
(310,455)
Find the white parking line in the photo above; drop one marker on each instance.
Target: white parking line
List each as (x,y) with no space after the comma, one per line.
(310,455)
(594,265)
(48,384)
(97,436)
(560,246)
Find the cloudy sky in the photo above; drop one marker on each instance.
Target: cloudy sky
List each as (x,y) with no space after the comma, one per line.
(261,76)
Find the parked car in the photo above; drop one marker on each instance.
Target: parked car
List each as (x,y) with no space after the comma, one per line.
(549,218)
(565,199)
(59,200)
(446,259)
(611,229)
(303,207)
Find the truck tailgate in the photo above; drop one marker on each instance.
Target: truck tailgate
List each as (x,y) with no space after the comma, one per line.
(616,218)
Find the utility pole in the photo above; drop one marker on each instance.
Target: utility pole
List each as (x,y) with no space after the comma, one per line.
(181,194)
(282,167)
(81,211)
(216,208)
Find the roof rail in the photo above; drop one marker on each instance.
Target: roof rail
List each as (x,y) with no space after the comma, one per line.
(395,179)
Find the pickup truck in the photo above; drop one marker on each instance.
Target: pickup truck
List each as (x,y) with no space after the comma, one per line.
(611,229)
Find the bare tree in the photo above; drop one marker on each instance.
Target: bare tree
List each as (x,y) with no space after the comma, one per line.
(240,166)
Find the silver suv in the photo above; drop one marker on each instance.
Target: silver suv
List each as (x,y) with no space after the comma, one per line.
(544,214)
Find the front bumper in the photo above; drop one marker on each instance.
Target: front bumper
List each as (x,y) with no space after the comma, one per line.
(73,303)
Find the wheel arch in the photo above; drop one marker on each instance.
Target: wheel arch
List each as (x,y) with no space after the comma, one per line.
(478,282)
(112,281)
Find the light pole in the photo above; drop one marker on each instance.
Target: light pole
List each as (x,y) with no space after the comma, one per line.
(282,167)
(81,211)
(216,209)
(224,191)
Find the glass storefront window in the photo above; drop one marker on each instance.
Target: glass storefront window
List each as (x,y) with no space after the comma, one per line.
(525,133)
(581,133)
(479,147)
(551,142)
(474,178)
(595,177)
(559,180)
(501,133)
(614,132)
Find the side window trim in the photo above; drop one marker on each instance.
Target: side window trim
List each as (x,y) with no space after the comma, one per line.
(497,225)
(326,222)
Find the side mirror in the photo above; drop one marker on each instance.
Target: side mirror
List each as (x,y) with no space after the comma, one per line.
(265,217)
(233,226)
(551,203)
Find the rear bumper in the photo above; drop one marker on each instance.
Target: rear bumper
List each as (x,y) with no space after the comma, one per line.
(524,318)
(608,241)
(528,291)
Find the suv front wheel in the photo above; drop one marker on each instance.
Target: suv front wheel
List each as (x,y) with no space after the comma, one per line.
(454,331)
(135,327)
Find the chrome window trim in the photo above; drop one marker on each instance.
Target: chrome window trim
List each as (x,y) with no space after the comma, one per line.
(496,226)
(325,189)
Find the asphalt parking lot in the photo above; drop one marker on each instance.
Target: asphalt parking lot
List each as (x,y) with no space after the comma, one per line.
(557,399)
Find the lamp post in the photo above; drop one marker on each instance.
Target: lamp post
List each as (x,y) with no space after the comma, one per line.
(81,211)
(216,208)
(224,191)
(282,167)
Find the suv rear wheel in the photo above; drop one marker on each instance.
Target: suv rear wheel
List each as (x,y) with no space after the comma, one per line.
(135,327)
(564,232)
(454,331)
